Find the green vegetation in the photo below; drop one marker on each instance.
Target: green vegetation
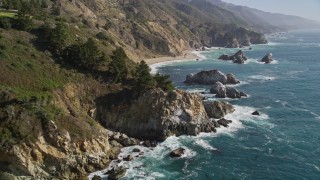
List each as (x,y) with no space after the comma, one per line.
(118,65)
(84,55)
(7,14)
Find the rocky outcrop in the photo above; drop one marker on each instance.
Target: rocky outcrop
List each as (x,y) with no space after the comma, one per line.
(223,91)
(158,115)
(116,173)
(238,57)
(256,113)
(267,59)
(224,122)
(218,109)
(177,152)
(211,77)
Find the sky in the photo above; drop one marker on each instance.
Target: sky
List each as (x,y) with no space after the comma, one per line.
(304,8)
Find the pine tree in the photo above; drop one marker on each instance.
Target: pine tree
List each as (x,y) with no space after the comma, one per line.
(144,79)
(117,66)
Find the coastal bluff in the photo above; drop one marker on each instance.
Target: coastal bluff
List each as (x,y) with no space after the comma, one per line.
(158,114)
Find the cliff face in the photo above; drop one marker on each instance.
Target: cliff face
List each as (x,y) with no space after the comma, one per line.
(158,114)
(38,144)
(156,28)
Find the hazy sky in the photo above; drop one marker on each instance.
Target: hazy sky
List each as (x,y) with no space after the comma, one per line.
(304,8)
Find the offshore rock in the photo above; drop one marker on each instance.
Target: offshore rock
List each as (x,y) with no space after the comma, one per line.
(218,109)
(211,77)
(117,173)
(222,91)
(177,152)
(224,122)
(156,115)
(267,59)
(238,57)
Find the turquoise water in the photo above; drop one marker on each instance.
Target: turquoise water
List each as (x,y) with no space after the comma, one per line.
(283,143)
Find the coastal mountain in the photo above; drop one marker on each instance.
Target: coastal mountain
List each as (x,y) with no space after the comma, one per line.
(71,68)
(265,21)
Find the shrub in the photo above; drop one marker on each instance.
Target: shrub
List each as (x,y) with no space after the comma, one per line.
(117,66)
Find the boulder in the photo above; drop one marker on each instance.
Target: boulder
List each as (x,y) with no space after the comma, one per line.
(231,79)
(96,177)
(222,91)
(256,113)
(136,150)
(128,158)
(224,57)
(219,89)
(239,57)
(218,109)
(267,58)
(117,173)
(233,93)
(177,152)
(207,77)
(224,122)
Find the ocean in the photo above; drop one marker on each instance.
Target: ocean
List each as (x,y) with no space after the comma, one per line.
(282,143)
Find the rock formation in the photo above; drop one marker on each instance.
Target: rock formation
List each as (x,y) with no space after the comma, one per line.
(177,152)
(238,57)
(159,115)
(211,77)
(218,109)
(267,59)
(223,91)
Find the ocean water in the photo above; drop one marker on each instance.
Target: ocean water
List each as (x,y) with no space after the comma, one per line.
(282,143)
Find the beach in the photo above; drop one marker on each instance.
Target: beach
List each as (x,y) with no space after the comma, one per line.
(186,55)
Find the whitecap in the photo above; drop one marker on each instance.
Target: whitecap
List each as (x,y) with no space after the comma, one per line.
(262,77)
(204,144)
(154,67)
(199,54)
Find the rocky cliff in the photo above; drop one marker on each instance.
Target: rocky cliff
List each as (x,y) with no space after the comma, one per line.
(159,114)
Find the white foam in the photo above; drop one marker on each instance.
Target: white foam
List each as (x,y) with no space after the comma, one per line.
(204,144)
(199,54)
(237,85)
(154,67)
(262,77)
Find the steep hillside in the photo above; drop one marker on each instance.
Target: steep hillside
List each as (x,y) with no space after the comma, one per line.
(153,28)
(265,21)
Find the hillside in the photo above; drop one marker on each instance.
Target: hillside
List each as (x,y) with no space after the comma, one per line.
(63,62)
(265,21)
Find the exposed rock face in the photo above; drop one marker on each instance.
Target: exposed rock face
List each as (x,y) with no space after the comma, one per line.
(231,79)
(222,91)
(267,59)
(256,113)
(219,89)
(158,115)
(238,57)
(211,77)
(177,152)
(224,122)
(218,109)
(117,173)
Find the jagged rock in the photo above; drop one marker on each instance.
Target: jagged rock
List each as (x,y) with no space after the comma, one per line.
(238,57)
(267,59)
(129,142)
(117,173)
(96,177)
(219,89)
(256,113)
(218,109)
(164,114)
(233,93)
(224,122)
(222,91)
(136,150)
(216,124)
(231,79)
(208,77)
(128,158)
(177,152)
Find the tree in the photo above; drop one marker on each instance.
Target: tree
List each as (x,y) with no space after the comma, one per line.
(144,79)
(163,82)
(56,38)
(117,66)
(85,55)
